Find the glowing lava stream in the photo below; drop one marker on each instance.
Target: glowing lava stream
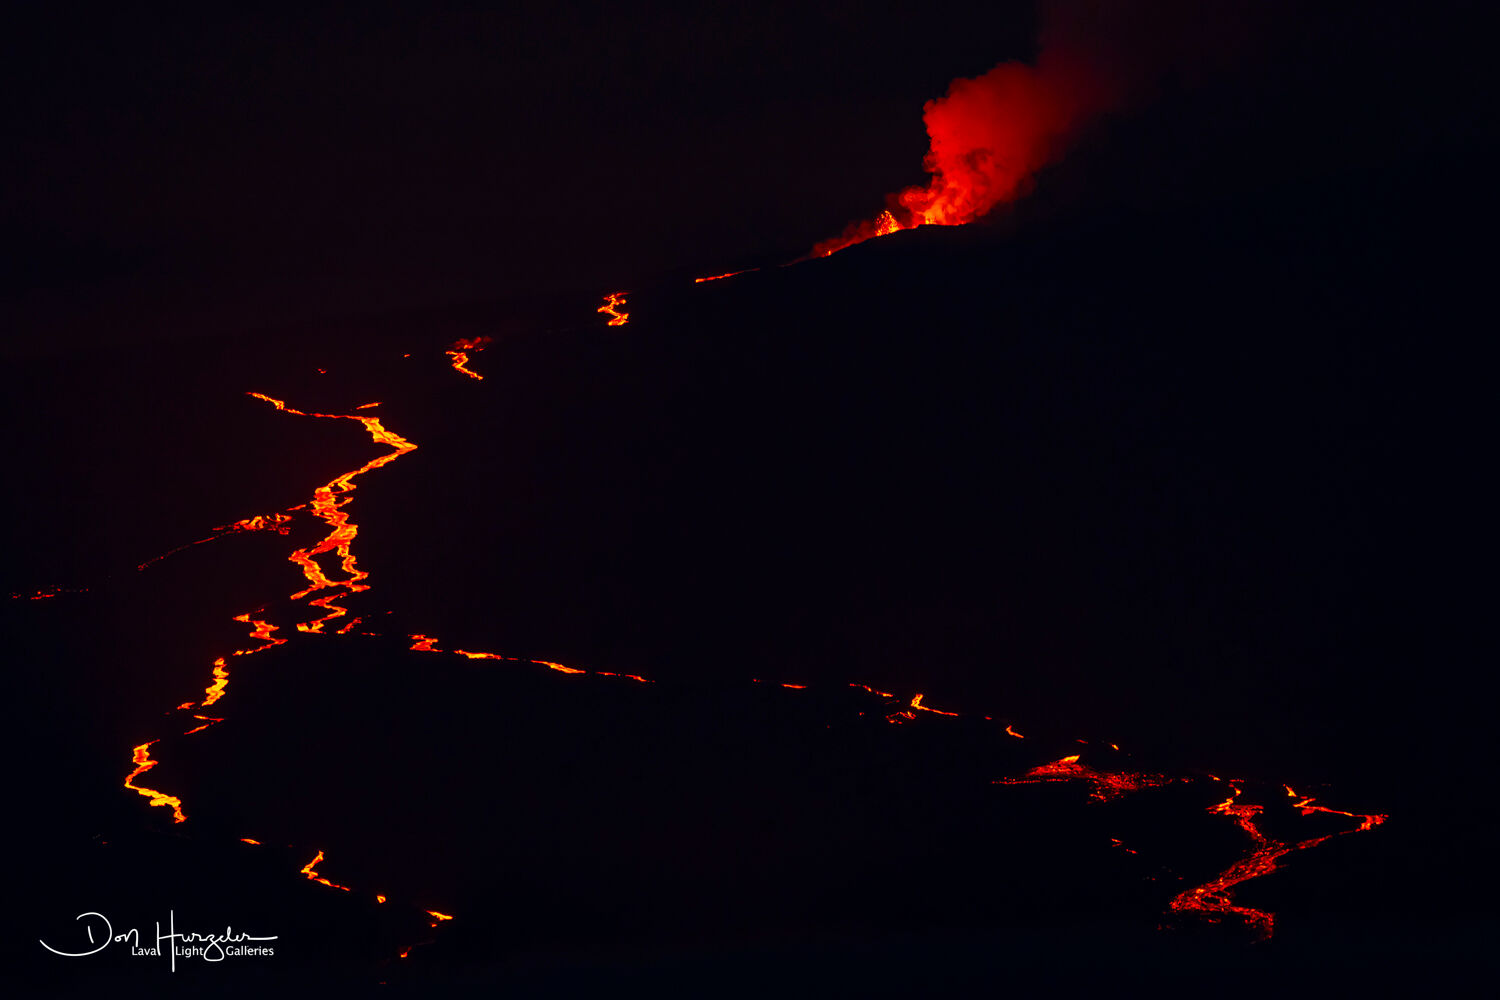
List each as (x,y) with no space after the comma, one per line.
(327,504)
(459,350)
(1211,901)
(1214,900)
(310,871)
(142,758)
(1103,784)
(613,302)
(279,523)
(721,277)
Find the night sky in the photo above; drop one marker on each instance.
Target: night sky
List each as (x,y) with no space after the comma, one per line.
(1172,450)
(196,174)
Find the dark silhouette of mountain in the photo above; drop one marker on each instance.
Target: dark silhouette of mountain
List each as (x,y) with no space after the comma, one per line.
(1138,476)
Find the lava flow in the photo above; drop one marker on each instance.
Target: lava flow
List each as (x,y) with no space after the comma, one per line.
(143,763)
(613,303)
(1214,900)
(721,277)
(1104,785)
(327,504)
(310,870)
(459,350)
(46,593)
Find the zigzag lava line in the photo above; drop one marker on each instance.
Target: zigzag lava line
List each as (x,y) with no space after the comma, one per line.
(327,504)
(1214,900)
(613,303)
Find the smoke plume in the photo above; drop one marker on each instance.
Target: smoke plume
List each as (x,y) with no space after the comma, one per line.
(992,133)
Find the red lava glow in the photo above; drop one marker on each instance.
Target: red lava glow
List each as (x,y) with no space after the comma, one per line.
(613,303)
(909,713)
(331,572)
(215,691)
(207,721)
(143,763)
(45,593)
(916,702)
(262,631)
(459,352)
(721,277)
(1104,785)
(990,134)
(1214,900)
(280,523)
(327,505)
(310,870)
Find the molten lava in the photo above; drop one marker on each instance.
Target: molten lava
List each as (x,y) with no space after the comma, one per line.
(990,134)
(310,871)
(331,572)
(459,351)
(143,763)
(327,505)
(1214,900)
(1103,785)
(613,303)
(45,593)
(721,277)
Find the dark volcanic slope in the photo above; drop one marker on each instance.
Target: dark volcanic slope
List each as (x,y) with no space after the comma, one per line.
(1129,481)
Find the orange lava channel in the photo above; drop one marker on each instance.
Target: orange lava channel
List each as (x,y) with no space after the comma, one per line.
(1214,900)
(909,713)
(280,523)
(310,870)
(144,763)
(611,308)
(327,504)
(1103,784)
(721,277)
(459,351)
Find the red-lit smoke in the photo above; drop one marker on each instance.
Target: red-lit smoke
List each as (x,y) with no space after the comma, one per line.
(990,134)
